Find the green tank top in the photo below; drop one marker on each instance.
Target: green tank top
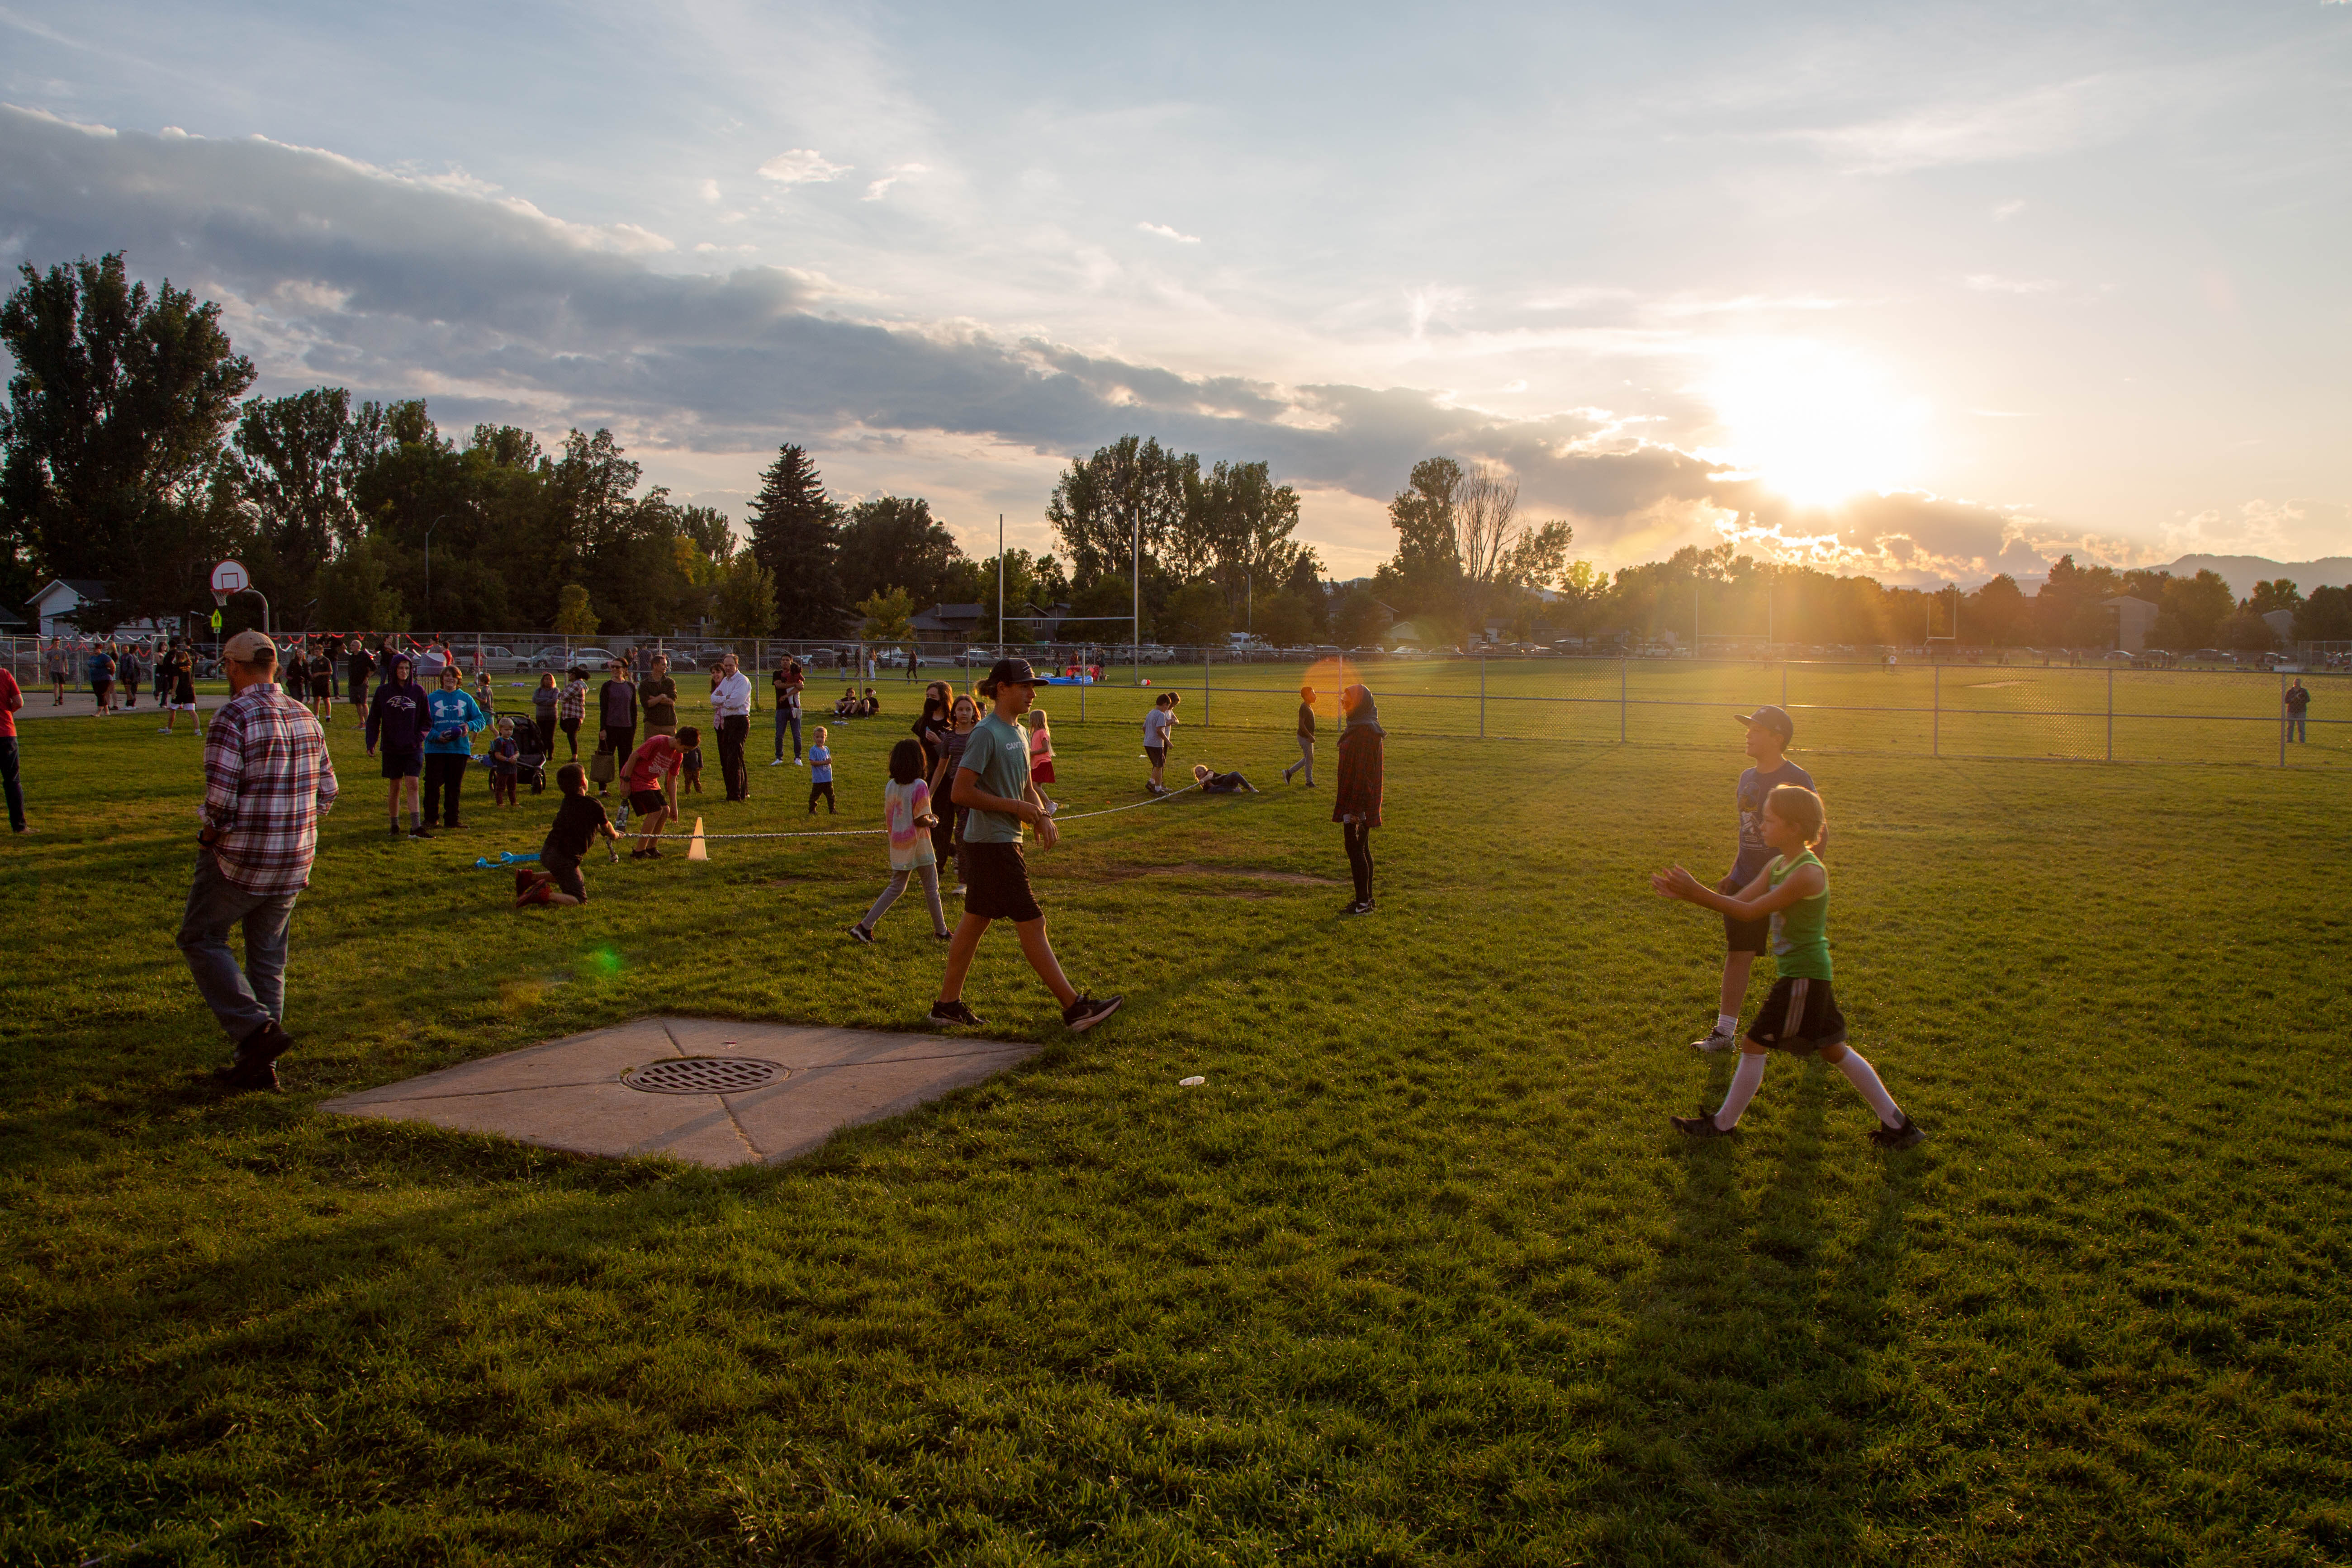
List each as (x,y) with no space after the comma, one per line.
(1800,934)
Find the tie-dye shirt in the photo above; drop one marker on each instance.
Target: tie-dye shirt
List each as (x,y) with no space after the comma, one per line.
(910,846)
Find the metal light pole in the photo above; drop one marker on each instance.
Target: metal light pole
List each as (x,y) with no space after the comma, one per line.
(999,585)
(1135,634)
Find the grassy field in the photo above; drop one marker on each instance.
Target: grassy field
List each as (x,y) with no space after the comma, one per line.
(1421,1275)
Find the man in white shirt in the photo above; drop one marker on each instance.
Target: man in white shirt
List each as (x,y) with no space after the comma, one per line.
(731,705)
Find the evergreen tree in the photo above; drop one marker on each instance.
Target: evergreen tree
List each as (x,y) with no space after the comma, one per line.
(796,529)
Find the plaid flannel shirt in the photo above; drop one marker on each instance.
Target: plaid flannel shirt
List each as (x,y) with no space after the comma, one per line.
(267,779)
(574,703)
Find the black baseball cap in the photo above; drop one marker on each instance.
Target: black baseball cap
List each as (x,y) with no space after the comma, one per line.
(1008,672)
(1776,719)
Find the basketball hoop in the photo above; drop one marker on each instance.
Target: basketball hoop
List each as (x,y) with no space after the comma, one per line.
(220,600)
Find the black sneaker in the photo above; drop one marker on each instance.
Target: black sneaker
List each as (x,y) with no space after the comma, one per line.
(395,831)
(954,1015)
(1700,1126)
(862,934)
(420,833)
(1909,1135)
(249,1077)
(1085,1012)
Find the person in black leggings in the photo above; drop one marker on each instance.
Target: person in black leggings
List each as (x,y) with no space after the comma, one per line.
(1357,806)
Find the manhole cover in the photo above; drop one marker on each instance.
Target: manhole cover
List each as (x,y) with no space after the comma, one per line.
(705,1075)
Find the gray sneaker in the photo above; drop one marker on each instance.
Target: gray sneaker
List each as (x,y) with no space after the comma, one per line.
(1716,1040)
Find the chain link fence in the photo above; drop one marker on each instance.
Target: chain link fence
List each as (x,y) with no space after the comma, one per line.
(2084,707)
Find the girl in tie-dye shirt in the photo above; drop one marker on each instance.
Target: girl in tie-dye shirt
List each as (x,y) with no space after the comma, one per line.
(906,810)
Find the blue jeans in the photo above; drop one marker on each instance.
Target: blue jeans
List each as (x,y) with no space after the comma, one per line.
(215,904)
(9,781)
(783,718)
(2294,732)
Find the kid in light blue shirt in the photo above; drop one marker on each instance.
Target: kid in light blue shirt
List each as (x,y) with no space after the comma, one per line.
(820,760)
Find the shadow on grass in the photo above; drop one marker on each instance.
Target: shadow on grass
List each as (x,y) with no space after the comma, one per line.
(1753,1350)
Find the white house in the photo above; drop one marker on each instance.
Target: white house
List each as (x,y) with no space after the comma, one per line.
(66,595)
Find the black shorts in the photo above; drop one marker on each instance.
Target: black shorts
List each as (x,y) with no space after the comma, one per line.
(1748,936)
(996,884)
(1158,755)
(1798,1015)
(645,802)
(402,762)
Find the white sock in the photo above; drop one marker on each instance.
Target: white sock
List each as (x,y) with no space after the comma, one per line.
(1743,1090)
(1726,1022)
(1860,1074)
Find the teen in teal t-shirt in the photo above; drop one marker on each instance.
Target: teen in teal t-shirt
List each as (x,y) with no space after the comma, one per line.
(997,752)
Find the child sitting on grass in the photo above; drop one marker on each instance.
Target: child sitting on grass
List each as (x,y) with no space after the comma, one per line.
(578,822)
(907,808)
(506,758)
(1802,1014)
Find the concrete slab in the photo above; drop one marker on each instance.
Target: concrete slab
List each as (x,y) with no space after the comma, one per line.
(570,1094)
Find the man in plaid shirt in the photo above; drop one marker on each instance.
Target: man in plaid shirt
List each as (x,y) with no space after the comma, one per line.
(267,779)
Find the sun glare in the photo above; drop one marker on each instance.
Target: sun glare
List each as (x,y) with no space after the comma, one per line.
(1814,424)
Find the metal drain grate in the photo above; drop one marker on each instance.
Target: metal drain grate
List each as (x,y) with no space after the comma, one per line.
(705,1075)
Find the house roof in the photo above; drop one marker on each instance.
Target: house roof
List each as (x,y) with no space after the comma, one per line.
(83,587)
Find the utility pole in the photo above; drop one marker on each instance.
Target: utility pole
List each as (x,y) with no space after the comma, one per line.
(999,585)
(1135,636)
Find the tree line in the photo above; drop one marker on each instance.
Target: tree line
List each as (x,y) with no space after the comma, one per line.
(130,453)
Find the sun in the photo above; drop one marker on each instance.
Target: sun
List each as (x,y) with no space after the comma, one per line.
(1814,423)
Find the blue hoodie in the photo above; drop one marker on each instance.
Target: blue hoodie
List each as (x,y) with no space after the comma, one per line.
(456,718)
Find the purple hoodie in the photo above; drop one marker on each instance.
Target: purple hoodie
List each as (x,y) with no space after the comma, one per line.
(397,715)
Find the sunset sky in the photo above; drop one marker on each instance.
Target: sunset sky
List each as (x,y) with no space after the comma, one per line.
(2029,278)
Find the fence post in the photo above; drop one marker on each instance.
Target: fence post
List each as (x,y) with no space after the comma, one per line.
(1482,699)
(1936,725)
(1082,696)
(2111,712)
(1784,686)
(1208,661)
(1620,699)
(2282,721)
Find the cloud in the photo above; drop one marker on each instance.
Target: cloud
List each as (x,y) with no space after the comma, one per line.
(332,270)
(2047,119)
(1992,283)
(875,192)
(801,167)
(1164,232)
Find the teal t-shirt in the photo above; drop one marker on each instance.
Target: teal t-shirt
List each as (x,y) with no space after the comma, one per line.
(998,752)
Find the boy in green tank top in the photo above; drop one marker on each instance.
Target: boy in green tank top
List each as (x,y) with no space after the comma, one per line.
(1801,1016)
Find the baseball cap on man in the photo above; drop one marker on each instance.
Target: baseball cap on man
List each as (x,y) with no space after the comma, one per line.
(1776,719)
(250,647)
(1007,672)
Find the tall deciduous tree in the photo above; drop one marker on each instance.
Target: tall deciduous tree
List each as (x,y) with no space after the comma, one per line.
(114,423)
(796,535)
(894,541)
(1133,490)
(296,458)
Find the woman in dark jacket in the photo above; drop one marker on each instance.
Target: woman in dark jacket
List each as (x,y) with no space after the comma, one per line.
(1356,809)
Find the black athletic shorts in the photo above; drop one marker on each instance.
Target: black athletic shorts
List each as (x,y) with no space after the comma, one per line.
(1798,1015)
(1158,755)
(996,884)
(401,762)
(1748,936)
(645,802)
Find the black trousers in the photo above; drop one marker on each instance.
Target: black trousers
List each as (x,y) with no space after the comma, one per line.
(570,728)
(824,789)
(443,774)
(546,728)
(732,731)
(1359,839)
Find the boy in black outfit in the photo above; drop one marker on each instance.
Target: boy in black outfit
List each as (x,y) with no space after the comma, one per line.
(578,821)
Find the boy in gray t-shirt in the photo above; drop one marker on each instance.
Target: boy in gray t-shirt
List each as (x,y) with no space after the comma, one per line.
(1769,731)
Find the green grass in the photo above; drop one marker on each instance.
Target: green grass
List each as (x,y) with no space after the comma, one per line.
(1421,1276)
